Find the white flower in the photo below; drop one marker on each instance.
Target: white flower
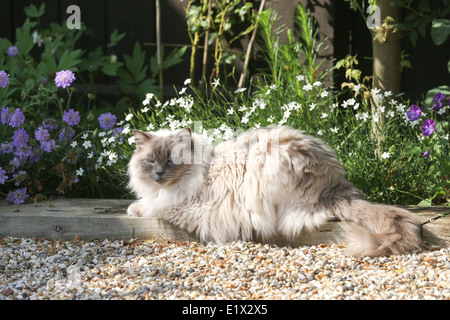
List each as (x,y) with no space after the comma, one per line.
(388,93)
(182,91)
(244,120)
(228,134)
(378,98)
(334,130)
(128,117)
(148,97)
(242,108)
(90,155)
(324,115)
(74,144)
(307,87)
(317,84)
(87,144)
(187,81)
(357,87)
(37,39)
(216,82)
(320,132)
(230,111)
(356,106)
(145,110)
(376,117)
(131,140)
(126,129)
(400,108)
(324,94)
(385,155)
(312,106)
(391,113)
(270,120)
(362,116)
(150,127)
(300,77)
(80,172)
(273,87)
(351,101)
(257,125)
(239,90)
(375,91)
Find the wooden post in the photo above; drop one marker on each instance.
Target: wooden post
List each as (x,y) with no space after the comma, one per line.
(386,66)
(158,48)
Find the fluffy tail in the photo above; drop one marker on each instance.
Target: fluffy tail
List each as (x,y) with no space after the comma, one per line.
(382,230)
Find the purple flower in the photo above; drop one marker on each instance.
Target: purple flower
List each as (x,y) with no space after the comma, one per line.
(49,145)
(6,148)
(41,134)
(4,115)
(16,119)
(66,134)
(3,176)
(426,154)
(50,124)
(35,155)
(414,113)
(71,117)
(64,78)
(107,121)
(20,138)
(23,152)
(13,51)
(17,196)
(437,101)
(4,79)
(428,127)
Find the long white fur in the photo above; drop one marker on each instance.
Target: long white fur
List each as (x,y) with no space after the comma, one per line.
(268,182)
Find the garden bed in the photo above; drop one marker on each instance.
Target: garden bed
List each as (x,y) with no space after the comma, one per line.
(89,219)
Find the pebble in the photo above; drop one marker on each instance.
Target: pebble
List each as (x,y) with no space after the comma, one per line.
(38,269)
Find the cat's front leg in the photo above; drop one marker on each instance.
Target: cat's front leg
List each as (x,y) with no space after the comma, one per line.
(136,209)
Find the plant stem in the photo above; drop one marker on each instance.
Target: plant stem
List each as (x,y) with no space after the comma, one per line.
(250,45)
(158,47)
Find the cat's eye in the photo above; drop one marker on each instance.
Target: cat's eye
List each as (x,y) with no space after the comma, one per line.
(149,161)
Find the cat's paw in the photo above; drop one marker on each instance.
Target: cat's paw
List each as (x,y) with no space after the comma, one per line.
(135,210)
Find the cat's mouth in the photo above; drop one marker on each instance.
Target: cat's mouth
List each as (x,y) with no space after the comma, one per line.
(158,179)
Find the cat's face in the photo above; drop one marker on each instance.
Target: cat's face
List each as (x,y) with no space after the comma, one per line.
(161,158)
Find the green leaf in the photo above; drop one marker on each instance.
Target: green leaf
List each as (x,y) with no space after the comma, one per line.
(69,60)
(414,150)
(115,37)
(24,39)
(440,30)
(413,36)
(431,93)
(110,69)
(425,203)
(135,64)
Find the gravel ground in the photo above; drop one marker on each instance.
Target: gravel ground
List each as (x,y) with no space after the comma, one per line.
(47,269)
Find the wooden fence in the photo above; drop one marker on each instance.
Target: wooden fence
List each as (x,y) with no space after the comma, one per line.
(344,29)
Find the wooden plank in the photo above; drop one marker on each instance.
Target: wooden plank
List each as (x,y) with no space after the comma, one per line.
(6,25)
(64,219)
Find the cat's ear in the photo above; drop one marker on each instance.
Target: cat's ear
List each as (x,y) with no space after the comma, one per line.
(183,134)
(141,137)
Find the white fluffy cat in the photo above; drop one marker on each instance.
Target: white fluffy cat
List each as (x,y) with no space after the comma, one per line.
(266,182)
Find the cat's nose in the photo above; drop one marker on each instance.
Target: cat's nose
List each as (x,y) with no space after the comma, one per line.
(159,172)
